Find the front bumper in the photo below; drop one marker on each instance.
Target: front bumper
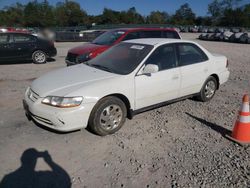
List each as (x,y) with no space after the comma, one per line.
(52,52)
(60,119)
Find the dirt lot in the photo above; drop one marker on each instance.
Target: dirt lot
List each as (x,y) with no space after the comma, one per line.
(179,145)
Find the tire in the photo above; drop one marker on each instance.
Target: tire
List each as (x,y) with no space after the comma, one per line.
(39,57)
(101,123)
(208,89)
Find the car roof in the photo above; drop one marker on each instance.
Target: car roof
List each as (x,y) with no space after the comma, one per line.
(145,29)
(157,41)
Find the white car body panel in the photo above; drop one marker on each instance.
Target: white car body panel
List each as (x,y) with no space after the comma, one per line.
(159,87)
(140,90)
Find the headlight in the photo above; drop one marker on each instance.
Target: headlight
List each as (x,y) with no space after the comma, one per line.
(62,102)
(84,57)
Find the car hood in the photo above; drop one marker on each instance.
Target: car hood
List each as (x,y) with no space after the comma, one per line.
(66,80)
(86,48)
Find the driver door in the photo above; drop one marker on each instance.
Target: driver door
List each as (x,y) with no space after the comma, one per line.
(161,86)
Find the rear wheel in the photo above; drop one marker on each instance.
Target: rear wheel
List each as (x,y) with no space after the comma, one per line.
(208,90)
(39,57)
(108,116)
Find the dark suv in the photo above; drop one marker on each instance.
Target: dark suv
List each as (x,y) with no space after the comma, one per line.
(23,46)
(88,51)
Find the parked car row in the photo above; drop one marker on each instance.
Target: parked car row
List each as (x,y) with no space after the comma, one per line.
(202,29)
(227,36)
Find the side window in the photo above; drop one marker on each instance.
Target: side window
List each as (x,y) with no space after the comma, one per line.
(4,38)
(132,35)
(170,34)
(190,54)
(164,57)
(150,34)
(23,38)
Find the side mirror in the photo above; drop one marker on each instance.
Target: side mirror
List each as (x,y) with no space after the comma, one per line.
(150,68)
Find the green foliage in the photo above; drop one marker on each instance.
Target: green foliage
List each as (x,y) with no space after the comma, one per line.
(69,13)
(184,15)
(228,13)
(157,17)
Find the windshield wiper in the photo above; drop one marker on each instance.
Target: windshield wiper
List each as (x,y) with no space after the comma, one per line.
(101,67)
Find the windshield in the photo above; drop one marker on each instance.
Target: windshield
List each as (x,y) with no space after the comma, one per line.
(122,58)
(108,38)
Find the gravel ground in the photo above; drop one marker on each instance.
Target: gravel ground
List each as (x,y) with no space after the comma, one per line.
(179,145)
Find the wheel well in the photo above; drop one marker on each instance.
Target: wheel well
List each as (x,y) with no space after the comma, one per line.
(125,100)
(217,79)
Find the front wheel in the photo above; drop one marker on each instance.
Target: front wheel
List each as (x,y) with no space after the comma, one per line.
(108,116)
(208,90)
(39,57)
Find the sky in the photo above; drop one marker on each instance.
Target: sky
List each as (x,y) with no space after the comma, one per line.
(144,7)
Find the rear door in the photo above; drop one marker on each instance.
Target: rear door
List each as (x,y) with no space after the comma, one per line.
(23,45)
(160,86)
(194,66)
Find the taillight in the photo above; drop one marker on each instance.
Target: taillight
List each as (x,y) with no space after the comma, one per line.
(227,64)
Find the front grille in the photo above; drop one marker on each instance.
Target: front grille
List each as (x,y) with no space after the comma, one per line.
(33,96)
(71,57)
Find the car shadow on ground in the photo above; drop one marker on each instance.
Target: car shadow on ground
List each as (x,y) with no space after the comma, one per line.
(221,130)
(49,60)
(26,176)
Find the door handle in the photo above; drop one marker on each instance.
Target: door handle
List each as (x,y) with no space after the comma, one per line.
(175,77)
(206,69)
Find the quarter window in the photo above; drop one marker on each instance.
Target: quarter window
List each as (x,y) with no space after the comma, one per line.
(4,38)
(190,54)
(164,57)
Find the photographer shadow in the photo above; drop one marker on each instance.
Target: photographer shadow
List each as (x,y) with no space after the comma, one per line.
(27,177)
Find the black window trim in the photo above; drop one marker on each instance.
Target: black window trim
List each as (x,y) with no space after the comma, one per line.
(192,44)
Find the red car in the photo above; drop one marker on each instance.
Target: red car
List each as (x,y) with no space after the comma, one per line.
(90,50)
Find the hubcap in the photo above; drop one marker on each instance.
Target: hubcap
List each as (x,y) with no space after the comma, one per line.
(210,89)
(40,57)
(111,117)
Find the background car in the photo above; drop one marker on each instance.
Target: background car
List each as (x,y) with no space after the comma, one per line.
(15,46)
(88,51)
(129,78)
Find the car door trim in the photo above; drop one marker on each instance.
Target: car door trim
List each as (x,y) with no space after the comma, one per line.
(132,112)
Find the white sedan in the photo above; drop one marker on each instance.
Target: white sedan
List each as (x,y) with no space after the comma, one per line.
(129,78)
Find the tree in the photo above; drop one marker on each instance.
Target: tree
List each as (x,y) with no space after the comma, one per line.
(110,16)
(184,15)
(12,16)
(70,14)
(157,17)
